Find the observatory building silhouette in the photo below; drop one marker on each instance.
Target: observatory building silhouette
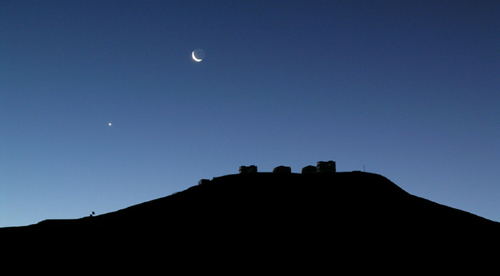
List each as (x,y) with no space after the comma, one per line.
(321,167)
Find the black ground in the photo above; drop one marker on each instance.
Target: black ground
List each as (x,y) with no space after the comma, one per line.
(255,223)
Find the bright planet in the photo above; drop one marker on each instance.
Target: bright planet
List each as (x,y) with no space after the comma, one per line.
(198,55)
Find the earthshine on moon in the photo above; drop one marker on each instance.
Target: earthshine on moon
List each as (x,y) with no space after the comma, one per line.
(198,55)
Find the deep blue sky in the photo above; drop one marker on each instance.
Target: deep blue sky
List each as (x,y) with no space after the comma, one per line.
(409,89)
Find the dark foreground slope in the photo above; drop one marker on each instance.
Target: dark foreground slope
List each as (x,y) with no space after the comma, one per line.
(282,222)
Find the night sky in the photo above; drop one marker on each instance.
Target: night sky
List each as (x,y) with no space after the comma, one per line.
(406,89)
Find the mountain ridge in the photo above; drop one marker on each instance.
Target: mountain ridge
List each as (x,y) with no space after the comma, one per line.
(294,216)
(383,189)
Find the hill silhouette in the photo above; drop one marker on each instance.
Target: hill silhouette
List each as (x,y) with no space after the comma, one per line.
(273,222)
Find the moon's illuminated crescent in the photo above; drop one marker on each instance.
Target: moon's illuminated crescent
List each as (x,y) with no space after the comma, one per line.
(194,57)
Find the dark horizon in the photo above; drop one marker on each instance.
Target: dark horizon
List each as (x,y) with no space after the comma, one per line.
(279,221)
(373,187)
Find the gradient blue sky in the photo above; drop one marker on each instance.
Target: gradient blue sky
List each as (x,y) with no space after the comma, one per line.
(409,89)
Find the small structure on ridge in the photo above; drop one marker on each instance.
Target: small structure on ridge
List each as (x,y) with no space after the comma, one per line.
(248,169)
(282,169)
(203,181)
(309,169)
(326,167)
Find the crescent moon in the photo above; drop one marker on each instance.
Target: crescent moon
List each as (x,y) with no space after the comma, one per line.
(194,57)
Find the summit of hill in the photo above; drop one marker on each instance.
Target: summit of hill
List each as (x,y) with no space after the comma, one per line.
(286,220)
